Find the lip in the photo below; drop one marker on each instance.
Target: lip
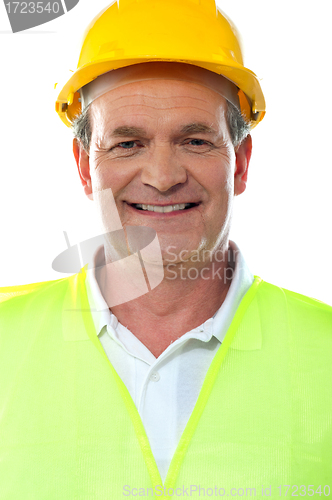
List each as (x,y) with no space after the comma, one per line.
(158,204)
(164,215)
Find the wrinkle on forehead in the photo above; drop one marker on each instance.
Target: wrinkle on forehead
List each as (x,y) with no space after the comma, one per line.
(132,104)
(166,71)
(158,90)
(159,94)
(149,96)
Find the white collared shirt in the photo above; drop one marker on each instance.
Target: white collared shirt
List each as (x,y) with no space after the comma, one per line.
(165,389)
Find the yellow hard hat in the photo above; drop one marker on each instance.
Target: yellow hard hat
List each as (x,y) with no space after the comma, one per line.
(130,32)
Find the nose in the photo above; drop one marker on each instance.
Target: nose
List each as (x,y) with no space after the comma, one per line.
(162,169)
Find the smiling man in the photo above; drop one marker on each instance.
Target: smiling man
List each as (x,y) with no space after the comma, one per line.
(201,382)
(164,148)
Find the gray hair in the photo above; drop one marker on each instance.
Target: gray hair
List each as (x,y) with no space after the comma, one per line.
(238,127)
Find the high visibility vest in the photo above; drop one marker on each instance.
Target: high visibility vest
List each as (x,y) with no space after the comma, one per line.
(69,429)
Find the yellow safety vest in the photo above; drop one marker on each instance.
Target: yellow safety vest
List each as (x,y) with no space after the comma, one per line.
(69,429)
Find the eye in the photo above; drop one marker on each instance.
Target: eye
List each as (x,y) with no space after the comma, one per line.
(126,144)
(126,148)
(197,142)
(198,146)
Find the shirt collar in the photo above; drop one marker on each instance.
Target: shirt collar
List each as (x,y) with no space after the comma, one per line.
(241,282)
(217,325)
(100,311)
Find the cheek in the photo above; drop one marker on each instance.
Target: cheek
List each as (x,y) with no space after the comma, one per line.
(222,195)
(215,168)
(219,182)
(105,174)
(224,179)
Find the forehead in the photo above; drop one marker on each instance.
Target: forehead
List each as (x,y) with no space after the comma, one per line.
(158,99)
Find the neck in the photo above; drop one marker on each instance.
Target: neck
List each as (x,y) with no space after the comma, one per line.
(188,295)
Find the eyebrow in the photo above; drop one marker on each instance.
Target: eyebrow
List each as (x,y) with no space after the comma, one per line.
(196,128)
(125,131)
(191,128)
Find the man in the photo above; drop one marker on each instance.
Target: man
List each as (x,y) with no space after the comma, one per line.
(212,383)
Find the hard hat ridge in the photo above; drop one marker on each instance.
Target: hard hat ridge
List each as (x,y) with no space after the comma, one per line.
(208,5)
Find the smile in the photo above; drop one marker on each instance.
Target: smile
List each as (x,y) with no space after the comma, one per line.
(163,208)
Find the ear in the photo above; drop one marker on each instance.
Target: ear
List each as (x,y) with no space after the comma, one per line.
(83,166)
(243,155)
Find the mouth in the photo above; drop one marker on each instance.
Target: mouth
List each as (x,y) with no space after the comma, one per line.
(164,209)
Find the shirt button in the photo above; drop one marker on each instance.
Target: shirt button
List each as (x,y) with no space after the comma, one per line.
(154,377)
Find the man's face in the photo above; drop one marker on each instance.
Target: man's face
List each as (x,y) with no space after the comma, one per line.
(160,143)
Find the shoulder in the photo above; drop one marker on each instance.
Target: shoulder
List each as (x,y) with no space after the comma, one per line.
(23,298)
(39,310)
(294,297)
(302,311)
(10,293)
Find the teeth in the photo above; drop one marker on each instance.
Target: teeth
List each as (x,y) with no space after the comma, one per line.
(169,208)
(163,209)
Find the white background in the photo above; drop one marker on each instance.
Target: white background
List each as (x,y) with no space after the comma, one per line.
(282,222)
